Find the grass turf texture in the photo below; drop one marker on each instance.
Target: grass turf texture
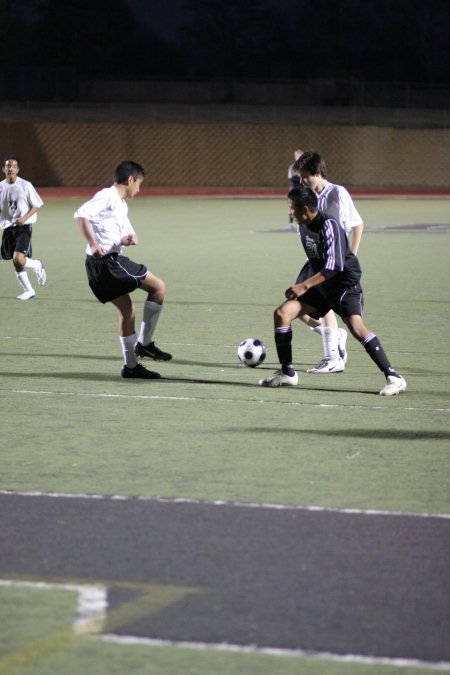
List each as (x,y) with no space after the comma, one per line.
(208,431)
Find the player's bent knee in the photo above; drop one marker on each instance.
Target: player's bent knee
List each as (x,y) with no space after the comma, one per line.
(18,262)
(153,285)
(283,315)
(357,327)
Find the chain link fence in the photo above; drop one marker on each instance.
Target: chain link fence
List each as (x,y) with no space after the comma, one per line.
(72,145)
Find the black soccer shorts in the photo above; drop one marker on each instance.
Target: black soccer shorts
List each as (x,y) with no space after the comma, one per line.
(113,275)
(16,238)
(343,301)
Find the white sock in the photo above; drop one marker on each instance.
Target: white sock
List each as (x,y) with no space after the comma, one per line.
(32,264)
(22,278)
(150,318)
(330,339)
(128,343)
(318,329)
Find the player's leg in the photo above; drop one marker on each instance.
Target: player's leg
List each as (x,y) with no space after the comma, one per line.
(19,260)
(310,321)
(395,383)
(334,346)
(23,246)
(283,317)
(145,347)
(38,268)
(338,336)
(333,338)
(127,337)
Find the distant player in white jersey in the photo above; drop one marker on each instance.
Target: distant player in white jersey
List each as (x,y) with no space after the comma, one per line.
(335,201)
(112,277)
(19,204)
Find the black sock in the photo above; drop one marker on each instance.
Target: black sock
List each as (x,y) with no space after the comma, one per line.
(283,343)
(376,352)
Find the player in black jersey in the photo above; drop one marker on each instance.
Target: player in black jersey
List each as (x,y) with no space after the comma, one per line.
(295,181)
(328,280)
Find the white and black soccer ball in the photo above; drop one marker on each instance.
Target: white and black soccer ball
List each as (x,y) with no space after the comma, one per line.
(251,352)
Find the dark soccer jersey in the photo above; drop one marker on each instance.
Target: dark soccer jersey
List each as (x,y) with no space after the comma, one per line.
(326,245)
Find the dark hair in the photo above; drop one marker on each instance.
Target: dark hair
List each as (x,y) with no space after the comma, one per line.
(13,157)
(312,162)
(127,169)
(303,196)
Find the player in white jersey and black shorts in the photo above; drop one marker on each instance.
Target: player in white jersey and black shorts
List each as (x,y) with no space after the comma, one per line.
(112,276)
(336,202)
(19,204)
(331,280)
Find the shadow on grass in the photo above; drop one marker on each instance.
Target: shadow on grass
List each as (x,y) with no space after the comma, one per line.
(382,434)
(66,355)
(148,362)
(115,377)
(116,357)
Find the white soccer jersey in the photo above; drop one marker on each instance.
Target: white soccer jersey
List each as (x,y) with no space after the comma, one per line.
(335,201)
(16,199)
(107,214)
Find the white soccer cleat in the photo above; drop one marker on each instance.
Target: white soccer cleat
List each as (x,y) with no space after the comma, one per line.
(279,379)
(328,366)
(395,384)
(343,335)
(41,274)
(28,295)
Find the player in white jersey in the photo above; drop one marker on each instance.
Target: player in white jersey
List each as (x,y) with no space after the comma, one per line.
(112,277)
(19,204)
(335,201)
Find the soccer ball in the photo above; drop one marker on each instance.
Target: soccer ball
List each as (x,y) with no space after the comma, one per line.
(251,352)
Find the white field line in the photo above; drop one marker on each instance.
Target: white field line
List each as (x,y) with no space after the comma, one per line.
(155,397)
(91,611)
(92,601)
(274,651)
(219,503)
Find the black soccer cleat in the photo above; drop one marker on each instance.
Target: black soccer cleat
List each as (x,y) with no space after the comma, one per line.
(152,352)
(139,372)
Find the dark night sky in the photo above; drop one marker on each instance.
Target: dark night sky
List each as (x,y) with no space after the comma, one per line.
(372,40)
(410,35)
(166,15)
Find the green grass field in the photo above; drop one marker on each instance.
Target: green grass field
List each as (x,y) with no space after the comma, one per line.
(208,431)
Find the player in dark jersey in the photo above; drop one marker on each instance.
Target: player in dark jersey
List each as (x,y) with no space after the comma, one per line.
(329,280)
(336,202)
(295,180)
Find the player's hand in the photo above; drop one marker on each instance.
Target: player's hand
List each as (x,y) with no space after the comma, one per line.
(128,240)
(295,292)
(97,250)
